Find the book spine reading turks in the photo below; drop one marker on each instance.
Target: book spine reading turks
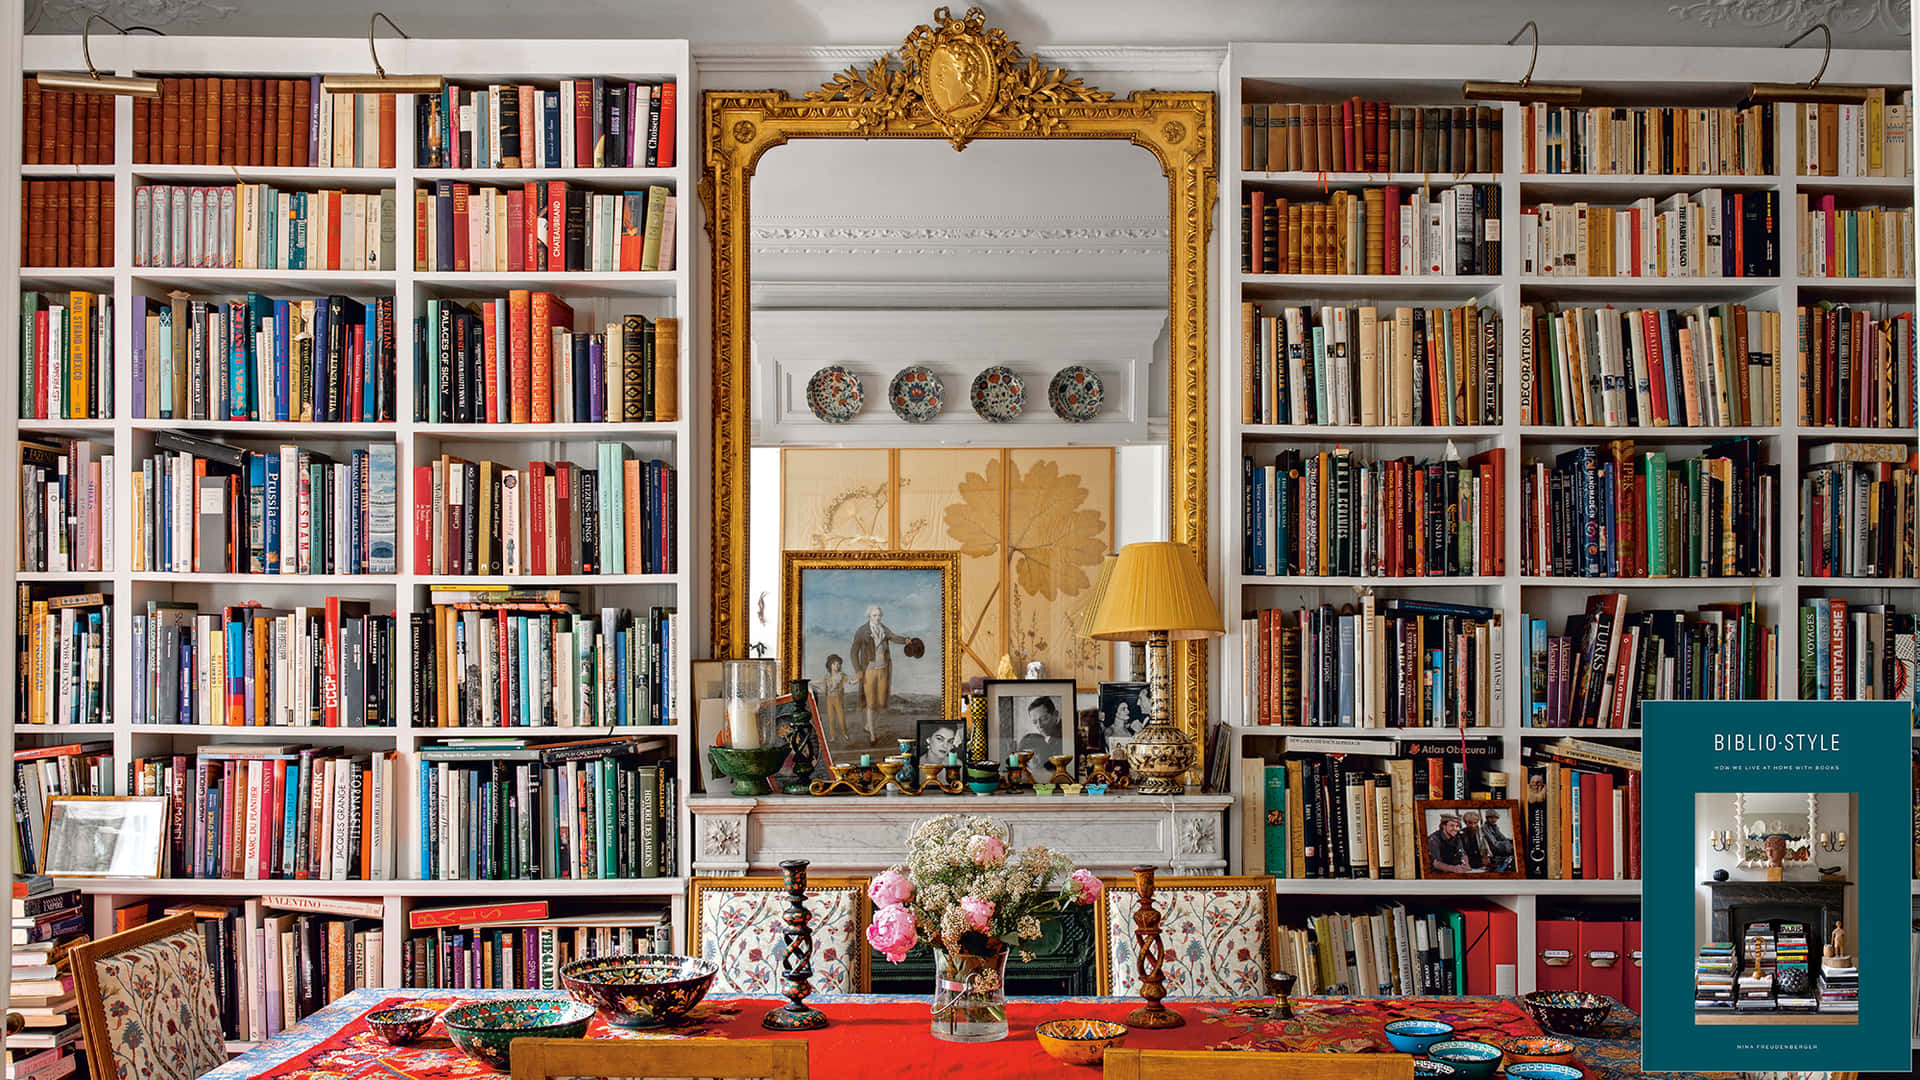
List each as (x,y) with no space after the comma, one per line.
(520,359)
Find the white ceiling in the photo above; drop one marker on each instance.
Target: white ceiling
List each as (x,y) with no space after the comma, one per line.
(718,25)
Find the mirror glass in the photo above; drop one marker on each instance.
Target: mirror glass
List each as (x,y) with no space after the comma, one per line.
(1786,815)
(952,352)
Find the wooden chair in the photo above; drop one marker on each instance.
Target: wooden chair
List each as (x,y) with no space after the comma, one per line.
(1218,935)
(1123,1064)
(737,923)
(720,1059)
(147,1004)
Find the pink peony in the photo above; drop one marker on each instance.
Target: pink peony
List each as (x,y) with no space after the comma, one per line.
(986,850)
(979,912)
(890,888)
(1089,886)
(891,932)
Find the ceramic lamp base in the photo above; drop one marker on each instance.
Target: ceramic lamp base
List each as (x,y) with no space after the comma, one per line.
(1154,1016)
(794,1018)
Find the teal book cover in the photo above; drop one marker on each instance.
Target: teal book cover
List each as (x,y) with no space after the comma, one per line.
(1777,899)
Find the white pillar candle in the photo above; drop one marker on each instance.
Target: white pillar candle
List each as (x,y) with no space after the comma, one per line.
(743,724)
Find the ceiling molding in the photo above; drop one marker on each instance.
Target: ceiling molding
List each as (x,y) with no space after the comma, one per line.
(1121,237)
(891,293)
(1845,16)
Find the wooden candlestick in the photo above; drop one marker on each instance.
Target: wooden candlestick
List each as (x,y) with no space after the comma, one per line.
(796,958)
(1148,957)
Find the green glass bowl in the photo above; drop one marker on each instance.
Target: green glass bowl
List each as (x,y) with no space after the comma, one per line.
(485,1030)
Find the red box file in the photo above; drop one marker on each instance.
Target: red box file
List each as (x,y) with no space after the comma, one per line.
(1602,961)
(1558,942)
(1631,977)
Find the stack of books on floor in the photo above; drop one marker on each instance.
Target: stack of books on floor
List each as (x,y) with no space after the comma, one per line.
(519,946)
(1755,981)
(1713,977)
(1839,989)
(47,923)
(1791,977)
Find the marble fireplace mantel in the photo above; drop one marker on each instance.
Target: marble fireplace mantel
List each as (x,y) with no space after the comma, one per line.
(734,836)
(1775,900)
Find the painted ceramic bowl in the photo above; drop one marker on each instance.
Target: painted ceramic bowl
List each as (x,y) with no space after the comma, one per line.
(916,394)
(1076,393)
(1470,1058)
(1079,1042)
(1537,1048)
(1430,1067)
(402,1025)
(485,1030)
(1567,1012)
(1415,1036)
(639,990)
(834,394)
(1544,1070)
(999,394)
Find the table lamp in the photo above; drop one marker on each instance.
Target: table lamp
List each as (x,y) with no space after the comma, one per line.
(1157,594)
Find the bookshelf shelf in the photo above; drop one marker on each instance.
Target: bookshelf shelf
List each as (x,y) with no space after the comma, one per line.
(276,429)
(384,581)
(1300,582)
(66,172)
(76,428)
(534,433)
(294,732)
(1318,181)
(1581,733)
(64,729)
(1644,434)
(1901,186)
(1667,289)
(62,576)
(1338,433)
(1400,734)
(67,277)
(1615,584)
(590,177)
(1562,186)
(1466,887)
(1887,286)
(1855,434)
(469,732)
(210,279)
(289,177)
(660,283)
(1364,286)
(530,581)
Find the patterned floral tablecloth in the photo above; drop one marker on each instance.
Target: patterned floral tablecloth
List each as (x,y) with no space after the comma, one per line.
(335,1044)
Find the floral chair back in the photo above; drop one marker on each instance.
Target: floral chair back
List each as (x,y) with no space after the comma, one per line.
(1217,935)
(147,1004)
(738,924)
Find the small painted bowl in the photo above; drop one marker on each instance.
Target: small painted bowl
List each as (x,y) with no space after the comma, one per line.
(485,1030)
(1430,1067)
(1567,1012)
(1415,1036)
(635,990)
(1470,1058)
(1079,1042)
(1544,1070)
(1537,1048)
(402,1025)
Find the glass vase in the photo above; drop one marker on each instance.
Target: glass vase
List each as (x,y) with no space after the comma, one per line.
(969,996)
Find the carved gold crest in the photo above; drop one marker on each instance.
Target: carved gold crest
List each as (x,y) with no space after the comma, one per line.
(957,74)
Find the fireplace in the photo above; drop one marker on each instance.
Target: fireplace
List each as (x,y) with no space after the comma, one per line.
(1819,904)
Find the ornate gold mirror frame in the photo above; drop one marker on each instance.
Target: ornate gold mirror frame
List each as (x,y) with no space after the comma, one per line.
(959,80)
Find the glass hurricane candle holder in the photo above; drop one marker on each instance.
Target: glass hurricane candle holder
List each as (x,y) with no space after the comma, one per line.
(746,685)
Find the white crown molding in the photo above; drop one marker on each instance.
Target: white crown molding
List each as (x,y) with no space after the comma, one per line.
(1845,16)
(1081,59)
(773,294)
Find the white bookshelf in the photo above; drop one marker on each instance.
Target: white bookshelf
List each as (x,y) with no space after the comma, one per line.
(1431,75)
(655,293)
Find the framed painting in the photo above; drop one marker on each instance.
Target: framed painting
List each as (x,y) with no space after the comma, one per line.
(1468,838)
(877,631)
(1031,714)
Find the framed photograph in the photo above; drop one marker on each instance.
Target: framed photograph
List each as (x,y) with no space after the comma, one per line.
(938,738)
(875,631)
(1124,708)
(1468,838)
(1030,714)
(105,836)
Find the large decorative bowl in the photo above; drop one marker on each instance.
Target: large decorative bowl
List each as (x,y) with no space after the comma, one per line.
(1567,1012)
(1415,1036)
(639,990)
(485,1030)
(1079,1042)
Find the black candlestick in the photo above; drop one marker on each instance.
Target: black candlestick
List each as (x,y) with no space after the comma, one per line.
(796,957)
(798,729)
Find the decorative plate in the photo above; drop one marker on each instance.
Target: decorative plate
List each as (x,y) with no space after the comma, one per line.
(999,394)
(834,394)
(1075,394)
(916,394)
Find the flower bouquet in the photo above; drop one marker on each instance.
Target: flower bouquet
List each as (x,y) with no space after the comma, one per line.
(974,901)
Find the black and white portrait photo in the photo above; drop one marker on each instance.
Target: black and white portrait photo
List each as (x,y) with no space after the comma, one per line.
(1124,709)
(1030,714)
(939,738)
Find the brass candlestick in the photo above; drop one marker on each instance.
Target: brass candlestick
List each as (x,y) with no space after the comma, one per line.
(1148,959)
(796,957)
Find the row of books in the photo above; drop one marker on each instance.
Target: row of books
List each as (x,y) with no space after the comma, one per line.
(63,127)
(517,359)
(48,923)
(261,227)
(41,772)
(1362,365)
(1647,140)
(1857,511)
(1714,365)
(1871,138)
(1377,230)
(1713,233)
(546,518)
(1864,242)
(1391,663)
(1582,807)
(532,658)
(244,665)
(66,345)
(1369,136)
(1612,511)
(220,120)
(1857,370)
(64,647)
(1394,952)
(209,508)
(1851,651)
(499,810)
(66,507)
(328,359)
(66,223)
(578,124)
(521,945)
(274,966)
(1334,513)
(546,225)
(1608,660)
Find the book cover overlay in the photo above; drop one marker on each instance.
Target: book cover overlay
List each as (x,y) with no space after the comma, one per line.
(1776,902)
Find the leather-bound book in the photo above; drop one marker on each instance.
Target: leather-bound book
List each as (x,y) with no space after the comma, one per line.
(230,105)
(259,135)
(30,119)
(302,123)
(62,128)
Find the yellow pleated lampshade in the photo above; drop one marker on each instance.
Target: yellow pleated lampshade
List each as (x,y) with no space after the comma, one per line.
(1157,586)
(1083,627)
